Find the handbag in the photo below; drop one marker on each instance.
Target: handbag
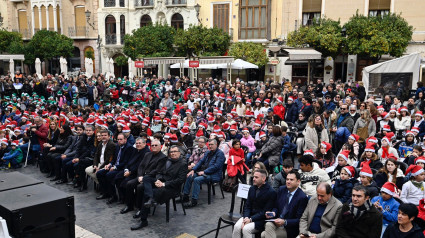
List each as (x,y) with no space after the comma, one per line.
(363,133)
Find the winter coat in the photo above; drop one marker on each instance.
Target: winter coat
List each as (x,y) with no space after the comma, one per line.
(62,144)
(342,134)
(342,189)
(15,154)
(411,194)
(311,140)
(360,123)
(346,122)
(291,113)
(310,180)
(272,149)
(248,142)
(390,207)
(279,180)
(403,124)
(215,164)
(393,231)
(279,110)
(381,178)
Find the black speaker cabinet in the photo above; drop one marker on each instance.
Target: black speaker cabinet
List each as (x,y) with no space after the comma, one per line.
(15,180)
(38,211)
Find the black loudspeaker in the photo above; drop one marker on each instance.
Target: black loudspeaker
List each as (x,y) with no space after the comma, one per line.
(38,211)
(15,180)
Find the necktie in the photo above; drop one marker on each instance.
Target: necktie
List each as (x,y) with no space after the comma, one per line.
(119,156)
(286,206)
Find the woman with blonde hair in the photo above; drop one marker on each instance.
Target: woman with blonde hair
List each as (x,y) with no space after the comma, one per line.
(315,133)
(365,126)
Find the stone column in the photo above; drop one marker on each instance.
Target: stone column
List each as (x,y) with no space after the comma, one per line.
(39,18)
(47,18)
(55,19)
(33,21)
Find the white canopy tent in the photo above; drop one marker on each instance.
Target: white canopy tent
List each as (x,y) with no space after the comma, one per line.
(239,64)
(185,65)
(405,64)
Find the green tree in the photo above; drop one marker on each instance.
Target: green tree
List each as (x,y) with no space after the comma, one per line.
(202,41)
(10,42)
(249,51)
(324,35)
(372,37)
(121,60)
(89,54)
(48,44)
(150,41)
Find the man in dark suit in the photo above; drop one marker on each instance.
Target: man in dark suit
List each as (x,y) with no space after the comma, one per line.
(261,198)
(167,184)
(107,175)
(104,153)
(290,204)
(130,170)
(152,163)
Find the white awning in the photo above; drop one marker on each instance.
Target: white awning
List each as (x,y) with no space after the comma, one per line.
(13,57)
(216,60)
(163,60)
(303,54)
(186,65)
(239,64)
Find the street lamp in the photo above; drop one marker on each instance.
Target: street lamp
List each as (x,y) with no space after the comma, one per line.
(88,13)
(343,34)
(197,9)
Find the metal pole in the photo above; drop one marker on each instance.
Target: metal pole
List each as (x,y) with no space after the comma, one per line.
(308,73)
(342,72)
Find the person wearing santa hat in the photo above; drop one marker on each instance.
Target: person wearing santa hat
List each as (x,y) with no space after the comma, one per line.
(413,190)
(279,110)
(370,158)
(324,154)
(419,123)
(344,185)
(403,120)
(342,160)
(353,141)
(249,142)
(385,124)
(387,205)
(366,179)
(186,138)
(13,158)
(391,172)
(405,148)
(387,148)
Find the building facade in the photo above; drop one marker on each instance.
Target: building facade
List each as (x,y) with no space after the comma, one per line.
(264,20)
(65,17)
(118,17)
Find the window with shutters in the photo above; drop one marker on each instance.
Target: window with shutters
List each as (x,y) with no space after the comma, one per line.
(80,21)
(311,11)
(254,19)
(379,7)
(221,16)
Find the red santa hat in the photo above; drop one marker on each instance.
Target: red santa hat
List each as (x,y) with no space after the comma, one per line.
(18,113)
(414,169)
(280,99)
(372,140)
(410,133)
(199,133)
(380,108)
(248,102)
(133,119)
(216,128)
(350,170)
(258,122)
(384,115)
(233,127)
(173,138)
(167,135)
(233,111)
(415,129)
(389,188)
(238,98)
(245,130)
(344,154)
(90,121)
(4,141)
(326,145)
(15,143)
(370,147)
(188,111)
(354,137)
(219,112)
(145,122)
(366,171)
(267,101)
(258,100)
(173,127)
(290,98)
(229,98)
(262,134)
(420,159)
(403,109)
(211,119)
(184,131)
(309,152)
(226,126)
(386,128)
(203,125)
(393,109)
(126,129)
(419,113)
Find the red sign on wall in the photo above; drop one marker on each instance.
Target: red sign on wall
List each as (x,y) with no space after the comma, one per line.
(193,64)
(139,64)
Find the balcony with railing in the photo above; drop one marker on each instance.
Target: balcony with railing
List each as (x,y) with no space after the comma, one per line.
(111,39)
(79,31)
(175,3)
(143,3)
(26,33)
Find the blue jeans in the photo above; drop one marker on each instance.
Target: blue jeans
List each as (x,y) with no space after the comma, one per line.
(197,181)
(83,102)
(248,159)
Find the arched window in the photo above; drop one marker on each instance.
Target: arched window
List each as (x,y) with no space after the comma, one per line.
(109,3)
(177,21)
(145,20)
(110,30)
(122,28)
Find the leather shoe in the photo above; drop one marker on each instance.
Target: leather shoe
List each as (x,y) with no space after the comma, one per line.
(126,209)
(111,200)
(138,214)
(60,181)
(55,179)
(192,203)
(140,225)
(151,202)
(100,197)
(50,175)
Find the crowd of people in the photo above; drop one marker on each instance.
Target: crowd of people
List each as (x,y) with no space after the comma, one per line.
(144,141)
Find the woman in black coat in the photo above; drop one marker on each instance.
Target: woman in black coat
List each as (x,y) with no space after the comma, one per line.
(53,157)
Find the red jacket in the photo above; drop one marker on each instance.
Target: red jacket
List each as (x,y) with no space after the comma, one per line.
(42,133)
(239,164)
(421,209)
(279,110)
(115,94)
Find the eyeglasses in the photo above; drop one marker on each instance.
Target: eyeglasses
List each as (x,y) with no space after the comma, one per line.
(352,110)
(343,108)
(175,151)
(154,145)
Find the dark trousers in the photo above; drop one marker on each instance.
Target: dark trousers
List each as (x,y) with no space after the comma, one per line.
(148,185)
(106,181)
(67,169)
(121,183)
(131,197)
(57,164)
(161,195)
(80,169)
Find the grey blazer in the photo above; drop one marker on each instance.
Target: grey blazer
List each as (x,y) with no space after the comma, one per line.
(329,217)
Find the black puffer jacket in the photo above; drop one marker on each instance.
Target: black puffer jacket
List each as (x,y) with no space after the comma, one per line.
(272,149)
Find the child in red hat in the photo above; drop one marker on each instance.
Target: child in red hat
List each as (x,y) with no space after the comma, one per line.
(344,185)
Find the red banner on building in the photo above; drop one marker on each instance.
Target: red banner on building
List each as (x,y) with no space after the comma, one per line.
(193,64)
(139,64)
